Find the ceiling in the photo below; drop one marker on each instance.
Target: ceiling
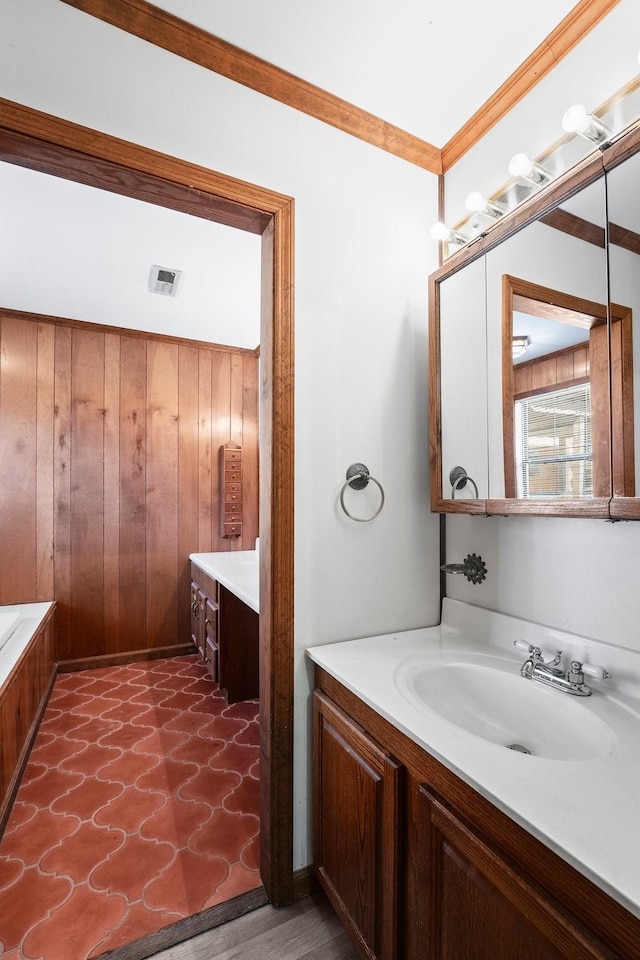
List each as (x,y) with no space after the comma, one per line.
(74,251)
(424,65)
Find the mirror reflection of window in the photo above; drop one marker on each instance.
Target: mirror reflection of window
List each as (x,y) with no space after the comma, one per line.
(553,445)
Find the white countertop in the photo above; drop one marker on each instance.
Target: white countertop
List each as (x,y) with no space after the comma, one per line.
(30,616)
(588,812)
(237,570)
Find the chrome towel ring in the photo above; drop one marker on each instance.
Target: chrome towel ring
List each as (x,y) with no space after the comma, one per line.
(358,477)
(458,478)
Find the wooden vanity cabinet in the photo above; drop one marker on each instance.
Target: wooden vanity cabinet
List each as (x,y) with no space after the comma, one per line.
(225,631)
(357,791)
(452,876)
(481,905)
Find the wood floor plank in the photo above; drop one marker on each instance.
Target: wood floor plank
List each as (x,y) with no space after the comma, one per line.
(307,930)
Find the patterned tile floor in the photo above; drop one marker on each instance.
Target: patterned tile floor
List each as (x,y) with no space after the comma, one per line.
(138,807)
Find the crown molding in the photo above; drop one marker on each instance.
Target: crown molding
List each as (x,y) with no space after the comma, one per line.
(165,30)
(569,32)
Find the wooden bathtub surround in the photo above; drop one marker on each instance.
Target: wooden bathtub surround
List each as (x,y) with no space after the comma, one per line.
(22,701)
(111,440)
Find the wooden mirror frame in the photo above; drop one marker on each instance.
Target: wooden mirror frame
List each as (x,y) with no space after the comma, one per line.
(614,505)
(622,507)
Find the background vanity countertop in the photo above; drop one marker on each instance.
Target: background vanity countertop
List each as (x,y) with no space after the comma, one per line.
(31,616)
(237,570)
(587,811)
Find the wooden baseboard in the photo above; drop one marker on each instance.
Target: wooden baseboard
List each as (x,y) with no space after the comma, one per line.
(305,883)
(9,797)
(189,927)
(129,656)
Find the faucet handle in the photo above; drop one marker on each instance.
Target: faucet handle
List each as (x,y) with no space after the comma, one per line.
(535,652)
(523,645)
(595,671)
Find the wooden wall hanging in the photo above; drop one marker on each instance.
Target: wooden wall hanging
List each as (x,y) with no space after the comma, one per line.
(230,490)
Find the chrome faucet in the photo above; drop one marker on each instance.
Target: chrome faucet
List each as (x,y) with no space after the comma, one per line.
(553,674)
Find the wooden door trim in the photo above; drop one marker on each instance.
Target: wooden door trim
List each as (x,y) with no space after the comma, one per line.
(186,40)
(52,145)
(561,41)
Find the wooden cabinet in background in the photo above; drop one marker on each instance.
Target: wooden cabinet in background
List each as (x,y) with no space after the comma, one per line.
(421,867)
(197,618)
(225,631)
(357,795)
(210,647)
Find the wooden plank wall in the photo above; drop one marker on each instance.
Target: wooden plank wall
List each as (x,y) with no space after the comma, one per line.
(108,475)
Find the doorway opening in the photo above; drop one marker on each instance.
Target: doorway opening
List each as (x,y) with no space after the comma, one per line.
(50,145)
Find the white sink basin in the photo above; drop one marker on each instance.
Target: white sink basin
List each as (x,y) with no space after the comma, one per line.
(490,700)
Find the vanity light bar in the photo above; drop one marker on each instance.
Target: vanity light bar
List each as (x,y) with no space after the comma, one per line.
(576,120)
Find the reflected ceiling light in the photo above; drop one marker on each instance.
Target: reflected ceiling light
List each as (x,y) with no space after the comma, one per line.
(440,231)
(476,203)
(519,346)
(521,166)
(577,120)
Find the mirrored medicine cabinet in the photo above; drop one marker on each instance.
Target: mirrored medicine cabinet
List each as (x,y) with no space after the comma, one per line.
(534,350)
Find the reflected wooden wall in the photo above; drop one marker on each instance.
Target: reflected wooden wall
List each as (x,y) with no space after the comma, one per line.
(108,474)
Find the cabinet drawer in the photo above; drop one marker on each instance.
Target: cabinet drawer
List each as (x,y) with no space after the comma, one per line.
(232,455)
(233,486)
(232,529)
(211,658)
(211,621)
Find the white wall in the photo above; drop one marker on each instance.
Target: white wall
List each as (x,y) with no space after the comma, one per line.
(577,575)
(362,258)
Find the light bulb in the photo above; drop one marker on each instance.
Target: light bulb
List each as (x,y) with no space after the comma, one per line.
(440,231)
(444,234)
(476,202)
(520,165)
(576,119)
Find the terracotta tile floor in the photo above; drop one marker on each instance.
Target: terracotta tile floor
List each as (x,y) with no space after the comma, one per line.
(138,807)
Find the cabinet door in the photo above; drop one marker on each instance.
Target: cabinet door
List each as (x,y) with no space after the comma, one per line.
(197,618)
(480,905)
(238,648)
(357,803)
(211,636)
